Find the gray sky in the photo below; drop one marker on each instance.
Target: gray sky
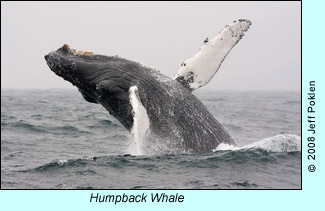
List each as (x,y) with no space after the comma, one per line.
(157,34)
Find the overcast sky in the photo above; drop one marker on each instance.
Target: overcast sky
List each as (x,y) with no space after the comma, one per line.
(158,34)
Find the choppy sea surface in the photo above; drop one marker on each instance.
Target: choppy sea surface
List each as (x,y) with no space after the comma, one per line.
(54,139)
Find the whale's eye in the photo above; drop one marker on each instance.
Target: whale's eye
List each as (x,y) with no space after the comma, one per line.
(101,88)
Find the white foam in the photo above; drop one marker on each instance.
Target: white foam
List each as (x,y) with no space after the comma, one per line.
(277,143)
(61,162)
(141,121)
(223,146)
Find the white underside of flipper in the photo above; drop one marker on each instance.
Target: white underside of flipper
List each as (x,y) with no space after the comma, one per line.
(199,70)
(141,121)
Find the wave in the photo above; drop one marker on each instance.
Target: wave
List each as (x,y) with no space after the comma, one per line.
(22,125)
(167,162)
(59,164)
(268,150)
(277,143)
(293,102)
(103,123)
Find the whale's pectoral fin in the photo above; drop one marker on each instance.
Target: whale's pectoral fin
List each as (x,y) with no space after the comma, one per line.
(199,70)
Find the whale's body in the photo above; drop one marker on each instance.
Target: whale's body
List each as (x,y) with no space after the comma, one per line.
(161,109)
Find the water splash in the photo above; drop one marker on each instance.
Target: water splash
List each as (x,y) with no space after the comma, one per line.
(223,146)
(61,162)
(277,143)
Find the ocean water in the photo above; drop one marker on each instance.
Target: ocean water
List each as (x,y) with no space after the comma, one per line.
(54,139)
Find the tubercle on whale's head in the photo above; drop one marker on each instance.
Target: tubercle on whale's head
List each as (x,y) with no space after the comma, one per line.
(67,48)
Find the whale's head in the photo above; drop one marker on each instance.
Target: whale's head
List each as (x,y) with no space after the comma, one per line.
(100,79)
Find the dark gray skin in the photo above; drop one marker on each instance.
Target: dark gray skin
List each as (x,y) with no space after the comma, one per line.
(175,114)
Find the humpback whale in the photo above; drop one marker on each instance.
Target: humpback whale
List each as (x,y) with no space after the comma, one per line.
(152,106)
